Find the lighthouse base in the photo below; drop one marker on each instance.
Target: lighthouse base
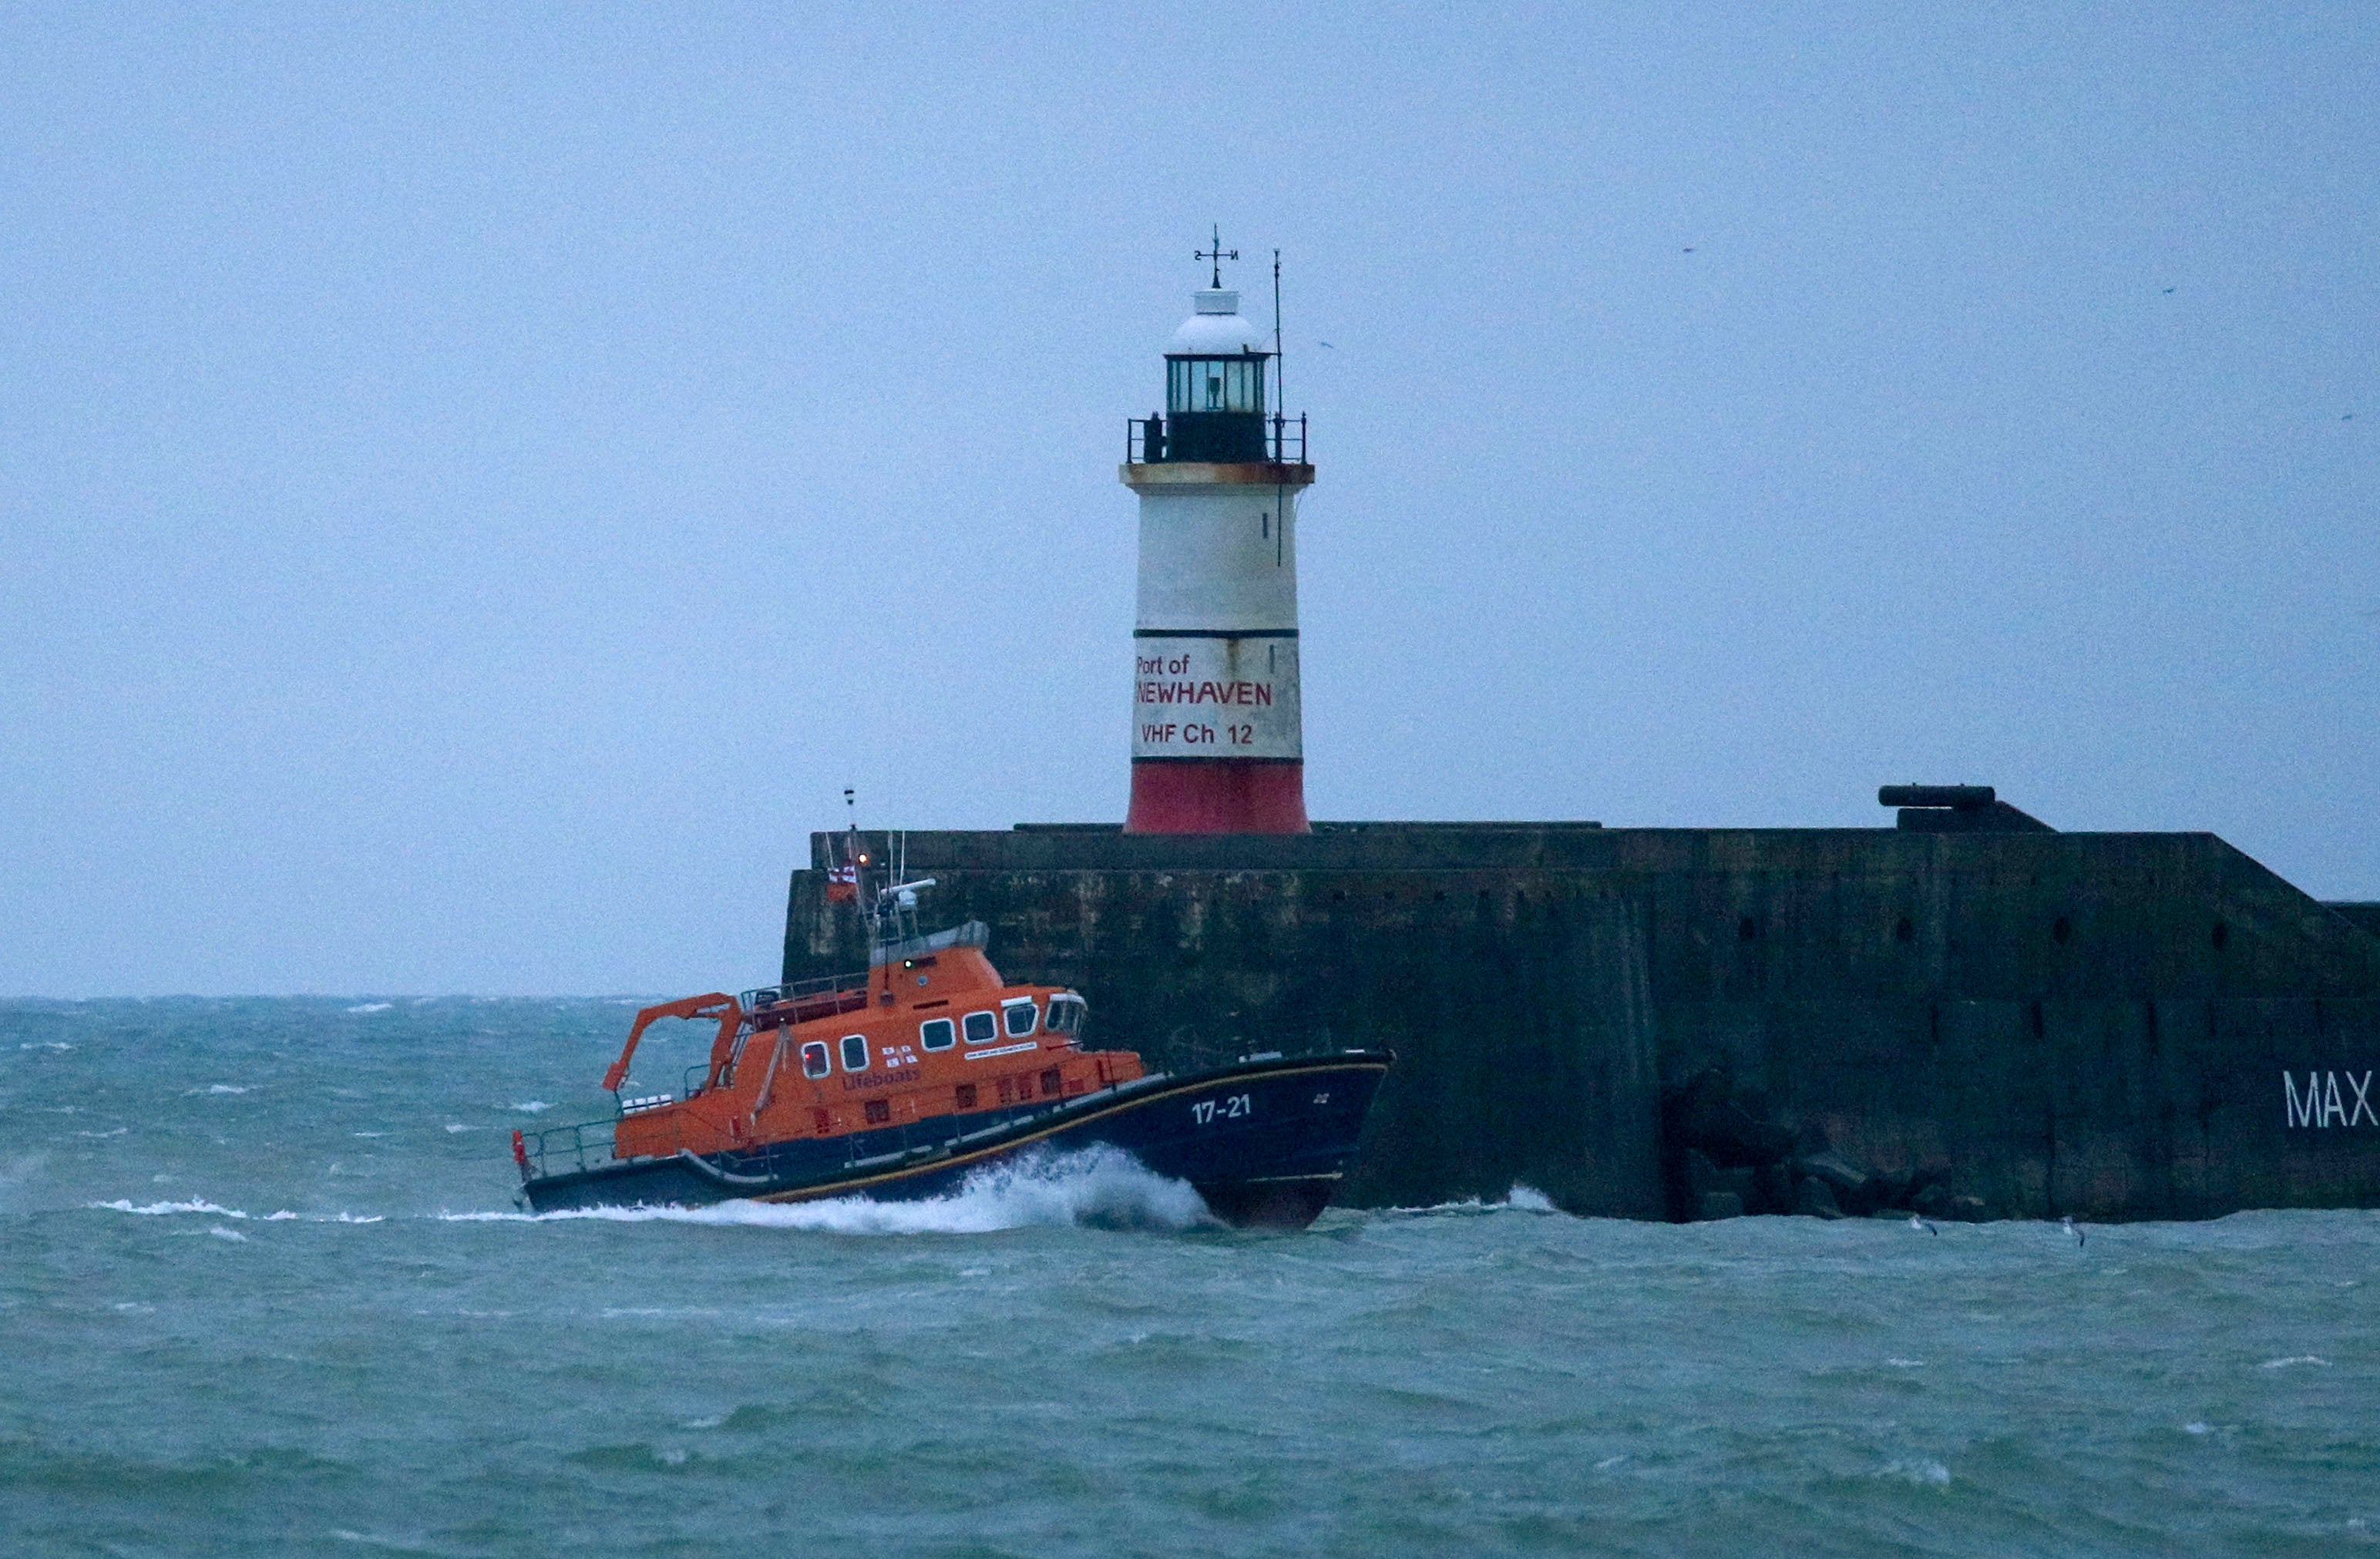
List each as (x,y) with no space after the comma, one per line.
(1218,796)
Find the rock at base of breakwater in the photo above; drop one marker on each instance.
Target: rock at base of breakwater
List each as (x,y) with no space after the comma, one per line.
(1815,1199)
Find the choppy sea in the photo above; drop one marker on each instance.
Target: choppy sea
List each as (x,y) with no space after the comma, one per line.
(263,1289)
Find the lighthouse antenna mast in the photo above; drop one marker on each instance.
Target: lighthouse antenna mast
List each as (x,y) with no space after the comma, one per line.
(1280,386)
(1279,422)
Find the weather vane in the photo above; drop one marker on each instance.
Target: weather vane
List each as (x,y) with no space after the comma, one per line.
(1218,254)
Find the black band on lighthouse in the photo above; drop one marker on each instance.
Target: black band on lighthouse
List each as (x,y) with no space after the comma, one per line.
(1214,632)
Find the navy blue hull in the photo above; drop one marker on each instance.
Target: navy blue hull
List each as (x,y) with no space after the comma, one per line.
(1265,1143)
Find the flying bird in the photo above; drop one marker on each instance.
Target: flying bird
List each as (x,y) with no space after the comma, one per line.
(1690,248)
(1326,344)
(1916,1221)
(2168,289)
(2068,1222)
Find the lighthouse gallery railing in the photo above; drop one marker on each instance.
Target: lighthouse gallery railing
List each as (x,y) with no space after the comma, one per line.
(1145,442)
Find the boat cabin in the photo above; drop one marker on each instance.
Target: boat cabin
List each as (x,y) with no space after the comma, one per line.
(930,1029)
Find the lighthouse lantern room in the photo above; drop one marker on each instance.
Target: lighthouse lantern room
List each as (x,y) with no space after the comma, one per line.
(1218,745)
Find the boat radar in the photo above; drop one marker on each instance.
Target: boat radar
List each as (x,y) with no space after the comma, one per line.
(1217,739)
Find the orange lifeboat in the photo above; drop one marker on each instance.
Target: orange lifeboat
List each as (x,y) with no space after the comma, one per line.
(900,1082)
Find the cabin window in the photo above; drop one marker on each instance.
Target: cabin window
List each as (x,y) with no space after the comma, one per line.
(814,1059)
(1065,1014)
(879,1111)
(938,1034)
(964,1095)
(1021,1015)
(982,1028)
(855,1052)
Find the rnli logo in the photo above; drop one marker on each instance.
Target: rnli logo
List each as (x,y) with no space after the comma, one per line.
(2324,1103)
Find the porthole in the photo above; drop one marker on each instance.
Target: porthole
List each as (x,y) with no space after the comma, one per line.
(938,1034)
(855,1052)
(814,1059)
(1020,1015)
(981,1028)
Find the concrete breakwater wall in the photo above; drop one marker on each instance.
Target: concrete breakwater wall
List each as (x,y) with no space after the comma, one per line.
(1647,1022)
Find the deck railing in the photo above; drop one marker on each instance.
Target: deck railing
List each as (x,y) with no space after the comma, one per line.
(799,1001)
(563,1149)
(1145,442)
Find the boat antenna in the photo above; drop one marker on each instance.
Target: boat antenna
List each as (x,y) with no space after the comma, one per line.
(854,861)
(851,851)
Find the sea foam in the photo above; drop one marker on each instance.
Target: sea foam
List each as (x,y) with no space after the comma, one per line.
(1520,1199)
(215,1210)
(1100,1186)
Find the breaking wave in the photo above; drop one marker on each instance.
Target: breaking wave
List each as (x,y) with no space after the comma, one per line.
(1520,1199)
(1099,1187)
(212,1210)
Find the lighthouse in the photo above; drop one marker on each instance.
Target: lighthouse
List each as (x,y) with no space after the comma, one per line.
(1217,744)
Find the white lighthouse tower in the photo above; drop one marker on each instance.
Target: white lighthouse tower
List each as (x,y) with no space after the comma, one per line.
(1217,745)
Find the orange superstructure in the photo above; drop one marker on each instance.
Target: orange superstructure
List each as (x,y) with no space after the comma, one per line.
(931,1030)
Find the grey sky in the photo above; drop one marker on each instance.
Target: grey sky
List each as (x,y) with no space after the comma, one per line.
(475,484)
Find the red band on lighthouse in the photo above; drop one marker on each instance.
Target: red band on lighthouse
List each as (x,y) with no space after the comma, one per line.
(1217,798)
